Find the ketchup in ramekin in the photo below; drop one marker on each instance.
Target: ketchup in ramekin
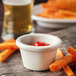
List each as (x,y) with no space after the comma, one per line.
(40,44)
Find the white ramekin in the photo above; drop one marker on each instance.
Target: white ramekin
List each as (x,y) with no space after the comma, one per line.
(38,57)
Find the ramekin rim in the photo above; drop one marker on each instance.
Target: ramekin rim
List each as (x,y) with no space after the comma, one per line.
(21,45)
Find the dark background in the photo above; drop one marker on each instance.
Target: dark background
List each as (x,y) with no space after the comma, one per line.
(36,1)
(40,1)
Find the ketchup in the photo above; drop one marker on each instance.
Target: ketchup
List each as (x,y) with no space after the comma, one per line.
(40,44)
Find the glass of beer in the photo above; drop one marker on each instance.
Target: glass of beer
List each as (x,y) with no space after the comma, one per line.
(17,18)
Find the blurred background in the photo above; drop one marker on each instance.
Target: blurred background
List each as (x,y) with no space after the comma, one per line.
(52,23)
(38,29)
(2,14)
(1,6)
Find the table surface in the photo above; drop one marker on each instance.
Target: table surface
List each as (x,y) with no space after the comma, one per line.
(13,66)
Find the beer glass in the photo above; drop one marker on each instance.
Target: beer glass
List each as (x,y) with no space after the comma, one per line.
(17,18)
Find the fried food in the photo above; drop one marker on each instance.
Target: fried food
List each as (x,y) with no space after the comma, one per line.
(59,9)
(11,45)
(5,54)
(9,41)
(72,51)
(8,44)
(66,68)
(59,64)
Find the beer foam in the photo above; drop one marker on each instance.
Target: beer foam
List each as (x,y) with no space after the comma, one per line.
(17,2)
